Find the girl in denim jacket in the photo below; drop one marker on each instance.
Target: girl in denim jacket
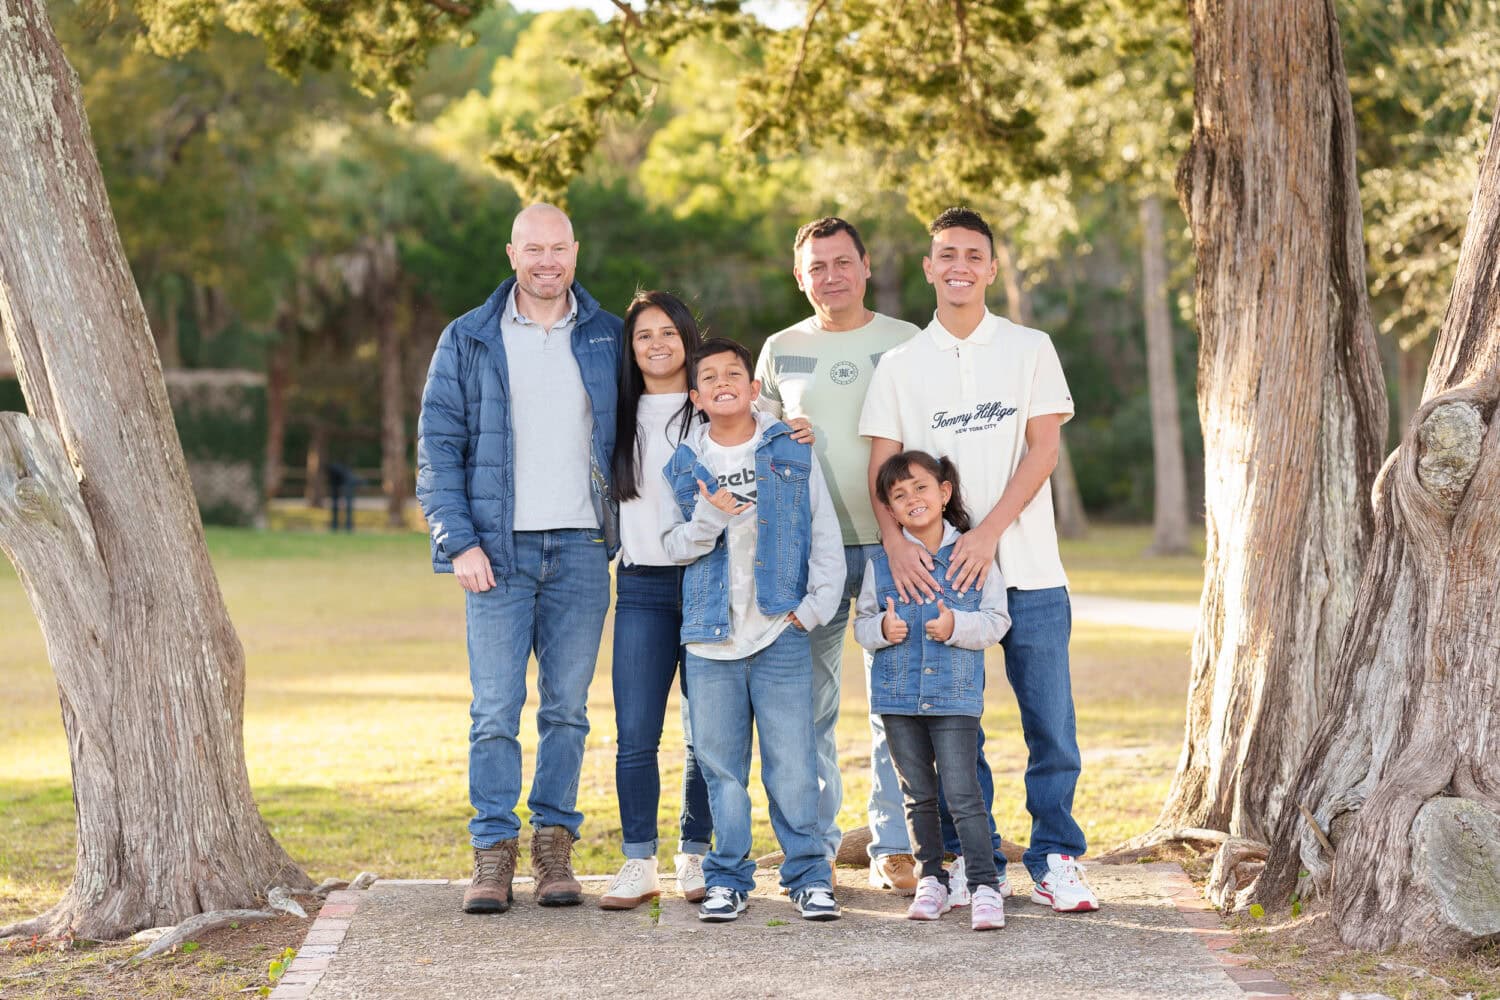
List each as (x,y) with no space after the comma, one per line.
(927,683)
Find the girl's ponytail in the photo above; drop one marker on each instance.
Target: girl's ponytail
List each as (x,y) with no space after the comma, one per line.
(955,513)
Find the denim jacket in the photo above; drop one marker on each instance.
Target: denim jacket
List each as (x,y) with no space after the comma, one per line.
(465,438)
(799,548)
(921,676)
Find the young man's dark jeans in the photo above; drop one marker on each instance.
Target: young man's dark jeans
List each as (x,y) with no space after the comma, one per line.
(922,747)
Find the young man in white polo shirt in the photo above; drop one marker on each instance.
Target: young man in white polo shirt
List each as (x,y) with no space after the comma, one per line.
(991,396)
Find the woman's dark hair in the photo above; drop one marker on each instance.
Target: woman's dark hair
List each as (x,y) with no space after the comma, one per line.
(898,467)
(626,461)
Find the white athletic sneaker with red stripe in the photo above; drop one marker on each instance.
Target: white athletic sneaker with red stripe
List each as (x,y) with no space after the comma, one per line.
(1064,887)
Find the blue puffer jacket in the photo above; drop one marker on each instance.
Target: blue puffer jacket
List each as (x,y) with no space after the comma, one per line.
(465,443)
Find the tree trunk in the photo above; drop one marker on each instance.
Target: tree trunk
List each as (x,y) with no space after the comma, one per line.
(1403,772)
(886,276)
(1411,374)
(1290,396)
(278,374)
(166,324)
(314,485)
(98,516)
(1170,513)
(390,315)
(1067,504)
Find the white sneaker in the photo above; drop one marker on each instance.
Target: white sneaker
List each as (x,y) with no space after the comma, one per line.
(1064,887)
(635,884)
(690,877)
(958,884)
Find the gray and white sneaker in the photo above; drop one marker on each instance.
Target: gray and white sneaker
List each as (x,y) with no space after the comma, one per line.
(816,902)
(722,904)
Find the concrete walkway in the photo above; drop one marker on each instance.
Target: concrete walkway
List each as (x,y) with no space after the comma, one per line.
(409,941)
(1158,615)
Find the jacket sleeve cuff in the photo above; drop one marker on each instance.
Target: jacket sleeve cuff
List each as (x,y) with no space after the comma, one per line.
(706,513)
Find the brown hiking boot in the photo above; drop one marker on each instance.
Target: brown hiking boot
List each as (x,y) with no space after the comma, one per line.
(552,864)
(494,867)
(897,872)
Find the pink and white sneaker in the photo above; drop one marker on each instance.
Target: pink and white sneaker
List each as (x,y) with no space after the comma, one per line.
(931,902)
(1064,887)
(986,909)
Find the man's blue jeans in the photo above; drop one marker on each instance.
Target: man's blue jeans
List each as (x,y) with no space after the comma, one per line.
(648,625)
(773,690)
(1036,664)
(889,836)
(553,603)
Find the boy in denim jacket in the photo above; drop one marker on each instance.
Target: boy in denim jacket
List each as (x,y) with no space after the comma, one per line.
(755,526)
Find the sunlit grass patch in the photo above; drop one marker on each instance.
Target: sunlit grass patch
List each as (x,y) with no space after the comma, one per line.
(356,722)
(1112,561)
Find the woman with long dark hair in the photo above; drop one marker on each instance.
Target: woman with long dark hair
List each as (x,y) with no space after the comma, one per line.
(653,415)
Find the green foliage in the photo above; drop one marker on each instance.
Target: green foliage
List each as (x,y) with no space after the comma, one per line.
(1090,301)
(1424,82)
(1257,912)
(12,400)
(382,43)
(278,966)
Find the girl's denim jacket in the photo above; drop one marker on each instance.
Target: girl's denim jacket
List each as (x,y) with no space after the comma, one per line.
(919,675)
(799,549)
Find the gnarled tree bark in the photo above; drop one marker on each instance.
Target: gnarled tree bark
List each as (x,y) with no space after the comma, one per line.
(1290,395)
(1404,771)
(98,515)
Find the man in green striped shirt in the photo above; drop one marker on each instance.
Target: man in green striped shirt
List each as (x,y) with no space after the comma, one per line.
(819,369)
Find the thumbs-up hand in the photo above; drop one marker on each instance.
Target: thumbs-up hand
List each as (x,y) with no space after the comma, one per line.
(940,629)
(891,625)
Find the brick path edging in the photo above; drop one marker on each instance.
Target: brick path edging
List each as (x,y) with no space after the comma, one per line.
(1204,923)
(327,933)
(319,947)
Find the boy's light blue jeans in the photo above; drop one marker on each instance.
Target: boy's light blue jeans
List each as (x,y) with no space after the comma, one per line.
(554,603)
(888,832)
(773,690)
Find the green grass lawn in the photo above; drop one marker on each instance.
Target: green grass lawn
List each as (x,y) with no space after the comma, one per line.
(356,714)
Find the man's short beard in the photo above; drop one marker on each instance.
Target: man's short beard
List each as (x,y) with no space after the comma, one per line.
(530,290)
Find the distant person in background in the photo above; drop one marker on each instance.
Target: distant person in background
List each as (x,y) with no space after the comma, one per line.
(513,456)
(342,485)
(990,396)
(653,417)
